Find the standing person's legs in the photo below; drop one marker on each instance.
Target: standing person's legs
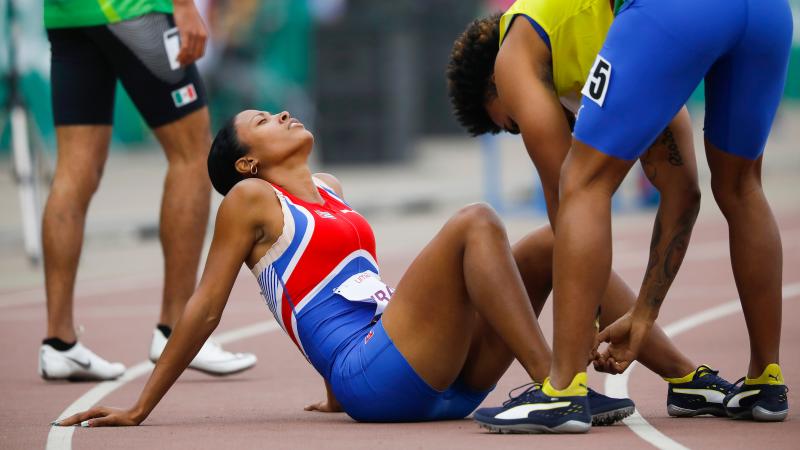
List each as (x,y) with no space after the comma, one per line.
(582,255)
(743,91)
(83,133)
(184,208)
(79,72)
(82,153)
(756,253)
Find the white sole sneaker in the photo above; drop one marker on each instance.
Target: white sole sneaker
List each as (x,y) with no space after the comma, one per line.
(211,359)
(76,364)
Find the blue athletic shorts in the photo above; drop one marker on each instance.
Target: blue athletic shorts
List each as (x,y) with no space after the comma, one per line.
(374,383)
(658,51)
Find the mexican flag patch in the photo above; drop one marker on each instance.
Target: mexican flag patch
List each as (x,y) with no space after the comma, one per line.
(184,95)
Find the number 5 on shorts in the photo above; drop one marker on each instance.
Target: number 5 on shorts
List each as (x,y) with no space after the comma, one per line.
(596,86)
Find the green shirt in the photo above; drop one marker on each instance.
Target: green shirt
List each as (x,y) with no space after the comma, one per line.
(85,13)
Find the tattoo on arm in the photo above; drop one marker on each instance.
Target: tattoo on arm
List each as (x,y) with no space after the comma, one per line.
(673,154)
(650,160)
(664,264)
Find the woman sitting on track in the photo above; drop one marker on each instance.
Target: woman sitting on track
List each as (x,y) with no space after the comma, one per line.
(458,318)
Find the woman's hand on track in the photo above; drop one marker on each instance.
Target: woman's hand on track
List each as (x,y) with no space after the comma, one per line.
(324,406)
(100,416)
(625,338)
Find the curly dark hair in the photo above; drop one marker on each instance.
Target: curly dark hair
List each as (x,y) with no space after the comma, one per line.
(469,74)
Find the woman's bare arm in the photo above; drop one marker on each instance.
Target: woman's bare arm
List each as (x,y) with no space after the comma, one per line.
(524,85)
(239,225)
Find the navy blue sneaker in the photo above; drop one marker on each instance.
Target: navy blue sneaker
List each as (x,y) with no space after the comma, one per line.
(700,392)
(608,410)
(763,399)
(533,411)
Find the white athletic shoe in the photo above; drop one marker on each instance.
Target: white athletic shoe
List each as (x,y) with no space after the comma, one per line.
(77,363)
(212,359)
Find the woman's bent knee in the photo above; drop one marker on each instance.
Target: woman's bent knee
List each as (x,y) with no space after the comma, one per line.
(479,216)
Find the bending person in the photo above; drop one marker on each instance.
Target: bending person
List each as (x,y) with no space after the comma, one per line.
(625,104)
(522,72)
(434,353)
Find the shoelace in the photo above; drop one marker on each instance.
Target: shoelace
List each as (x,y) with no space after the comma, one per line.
(527,393)
(726,386)
(704,369)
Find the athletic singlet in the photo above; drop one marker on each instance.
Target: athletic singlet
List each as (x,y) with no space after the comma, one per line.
(576,29)
(303,277)
(84,13)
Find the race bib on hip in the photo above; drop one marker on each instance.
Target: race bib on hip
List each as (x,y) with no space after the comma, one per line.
(366,287)
(172,45)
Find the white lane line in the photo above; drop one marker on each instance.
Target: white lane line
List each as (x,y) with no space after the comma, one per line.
(617,385)
(60,438)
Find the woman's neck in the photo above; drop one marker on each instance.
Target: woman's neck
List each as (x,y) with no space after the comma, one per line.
(298,182)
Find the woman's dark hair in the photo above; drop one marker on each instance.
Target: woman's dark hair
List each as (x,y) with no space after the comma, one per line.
(225,151)
(469,74)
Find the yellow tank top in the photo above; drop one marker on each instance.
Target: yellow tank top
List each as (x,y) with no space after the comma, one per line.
(577,30)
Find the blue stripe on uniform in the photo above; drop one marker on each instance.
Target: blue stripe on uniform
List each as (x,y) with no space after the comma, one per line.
(300,227)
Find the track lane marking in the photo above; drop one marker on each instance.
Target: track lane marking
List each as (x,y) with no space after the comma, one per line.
(60,438)
(617,385)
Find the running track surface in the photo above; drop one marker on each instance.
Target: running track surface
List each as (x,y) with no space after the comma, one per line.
(263,408)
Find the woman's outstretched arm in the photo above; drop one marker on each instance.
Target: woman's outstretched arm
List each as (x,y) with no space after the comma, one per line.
(239,226)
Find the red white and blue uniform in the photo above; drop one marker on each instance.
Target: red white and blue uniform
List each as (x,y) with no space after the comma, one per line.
(309,279)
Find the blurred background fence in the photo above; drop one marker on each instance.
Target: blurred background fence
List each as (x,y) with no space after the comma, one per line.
(367,76)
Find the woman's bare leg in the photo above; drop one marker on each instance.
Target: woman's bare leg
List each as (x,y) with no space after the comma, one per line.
(466,273)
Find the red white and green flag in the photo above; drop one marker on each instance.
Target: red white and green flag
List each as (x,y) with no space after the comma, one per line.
(184,95)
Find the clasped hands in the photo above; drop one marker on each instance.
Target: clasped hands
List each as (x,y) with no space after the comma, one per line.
(625,338)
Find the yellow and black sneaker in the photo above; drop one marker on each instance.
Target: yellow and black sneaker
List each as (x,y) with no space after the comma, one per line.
(541,409)
(700,392)
(763,399)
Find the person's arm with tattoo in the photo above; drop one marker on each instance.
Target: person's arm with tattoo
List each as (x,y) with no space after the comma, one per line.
(669,164)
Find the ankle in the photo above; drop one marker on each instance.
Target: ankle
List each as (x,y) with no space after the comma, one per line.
(66,334)
(166,330)
(678,371)
(59,344)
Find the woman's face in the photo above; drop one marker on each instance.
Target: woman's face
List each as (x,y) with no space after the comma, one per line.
(272,138)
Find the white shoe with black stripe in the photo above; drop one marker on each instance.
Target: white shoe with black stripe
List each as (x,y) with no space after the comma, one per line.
(212,359)
(76,364)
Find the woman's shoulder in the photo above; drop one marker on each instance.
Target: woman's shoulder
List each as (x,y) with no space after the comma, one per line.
(250,189)
(250,195)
